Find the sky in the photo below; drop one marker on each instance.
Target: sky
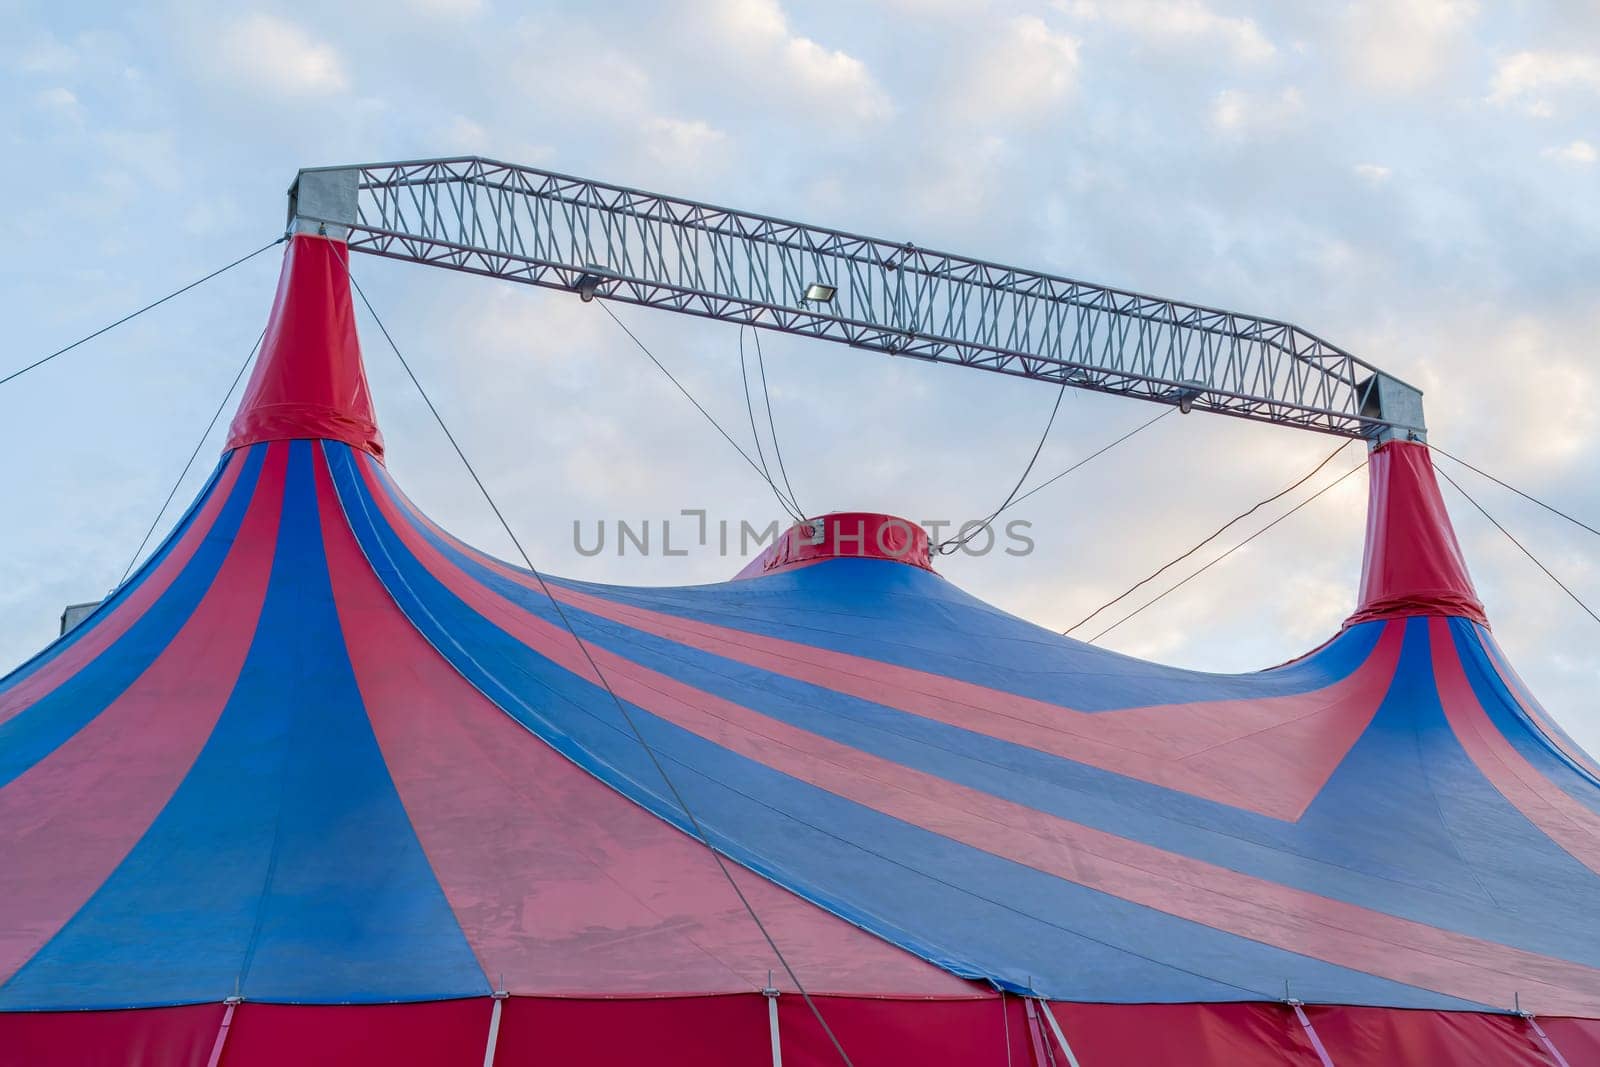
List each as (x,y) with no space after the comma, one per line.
(1418,181)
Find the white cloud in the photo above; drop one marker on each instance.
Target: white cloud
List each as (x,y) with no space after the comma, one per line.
(465,135)
(1179,22)
(447,8)
(1375,173)
(47,56)
(59,101)
(830,79)
(683,144)
(1525,77)
(1581,152)
(1542,385)
(1403,44)
(1237,112)
(278,55)
(1023,74)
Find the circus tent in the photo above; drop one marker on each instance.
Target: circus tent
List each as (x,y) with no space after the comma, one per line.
(323,784)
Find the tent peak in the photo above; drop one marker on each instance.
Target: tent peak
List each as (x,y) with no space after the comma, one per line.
(844,535)
(1413,563)
(309,381)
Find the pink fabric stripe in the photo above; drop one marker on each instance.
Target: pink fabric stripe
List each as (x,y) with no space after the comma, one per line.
(106,630)
(67,821)
(562,886)
(1271,755)
(1340,933)
(1563,819)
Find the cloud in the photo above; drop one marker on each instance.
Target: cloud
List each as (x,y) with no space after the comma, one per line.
(1184,23)
(47,56)
(831,80)
(1525,77)
(462,134)
(683,144)
(59,101)
(447,8)
(1373,173)
(1580,152)
(277,55)
(1025,73)
(1402,45)
(1238,113)
(1537,376)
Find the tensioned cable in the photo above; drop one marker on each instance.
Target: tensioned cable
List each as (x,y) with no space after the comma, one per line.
(1096,454)
(1548,573)
(583,646)
(1161,596)
(772,427)
(135,314)
(787,503)
(698,406)
(950,544)
(1551,508)
(1153,575)
(198,445)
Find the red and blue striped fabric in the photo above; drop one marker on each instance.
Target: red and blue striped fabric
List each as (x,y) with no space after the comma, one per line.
(318,752)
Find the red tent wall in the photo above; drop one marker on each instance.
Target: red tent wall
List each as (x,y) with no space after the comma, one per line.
(149,1037)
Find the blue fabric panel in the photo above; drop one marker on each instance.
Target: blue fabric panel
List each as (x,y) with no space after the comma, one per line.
(906,616)
(974,913)
(1409,797)
(1508,717)
(45,655)
(40,729)
(285,861)
(921,621)
(1412,870)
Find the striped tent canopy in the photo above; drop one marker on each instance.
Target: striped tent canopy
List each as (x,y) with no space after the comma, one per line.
(323,784)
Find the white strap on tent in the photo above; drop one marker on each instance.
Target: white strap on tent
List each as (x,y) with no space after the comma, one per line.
(1055,1028)
(1316,1042)
(1544,1039)
(499,998)
(222,1031)
(771,994)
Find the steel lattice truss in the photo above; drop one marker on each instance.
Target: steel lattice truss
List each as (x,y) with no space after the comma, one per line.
(533,226)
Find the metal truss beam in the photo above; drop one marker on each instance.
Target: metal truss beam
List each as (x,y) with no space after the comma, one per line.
(609,241)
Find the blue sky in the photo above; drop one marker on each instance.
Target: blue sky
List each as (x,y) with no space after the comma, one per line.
(1415,180)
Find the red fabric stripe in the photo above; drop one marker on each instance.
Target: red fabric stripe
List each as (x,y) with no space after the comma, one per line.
(665,1032)
(1239,1035)
(443,1033)
(149,1037)
(1578,1040)
(1272,755)
(1337,932)
(1413,564)
(731,1031)
(1566,821)
(102,632)
(66,822)
(560,884)
(309,382)
(893,1033)
(1384,1037)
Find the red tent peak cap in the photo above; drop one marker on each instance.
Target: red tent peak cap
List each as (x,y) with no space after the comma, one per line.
(844,535)
(1413,563)
(309,381)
